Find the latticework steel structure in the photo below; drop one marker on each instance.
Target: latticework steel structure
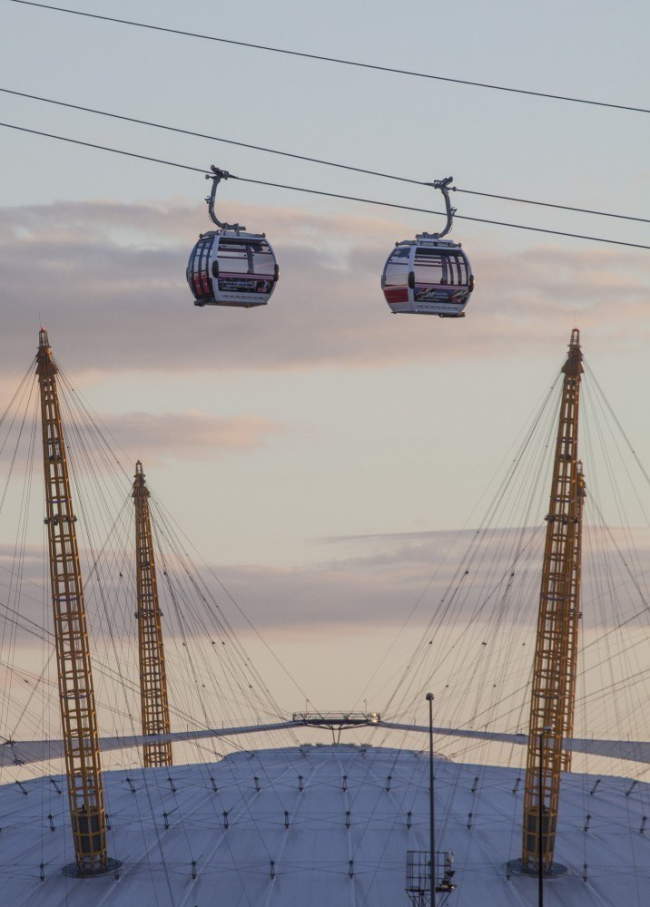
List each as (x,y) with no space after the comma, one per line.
(153,680)
(553,691)
(76,694)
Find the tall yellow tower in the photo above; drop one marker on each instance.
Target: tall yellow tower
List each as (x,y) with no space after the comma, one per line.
(153,680)
(76,694)
(554,674)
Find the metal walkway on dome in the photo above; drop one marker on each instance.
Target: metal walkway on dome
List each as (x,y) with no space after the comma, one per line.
(14,752)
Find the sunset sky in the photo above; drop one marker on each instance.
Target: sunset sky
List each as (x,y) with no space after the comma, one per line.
(304,444)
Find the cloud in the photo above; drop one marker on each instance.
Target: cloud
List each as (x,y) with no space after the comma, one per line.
(467,579)
(189,435)
(490,576)
(108,281)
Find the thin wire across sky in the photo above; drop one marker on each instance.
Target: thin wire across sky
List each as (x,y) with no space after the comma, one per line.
(350,198)
(337,60)
(314,160)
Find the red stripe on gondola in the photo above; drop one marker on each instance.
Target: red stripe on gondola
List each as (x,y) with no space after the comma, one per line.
(396,294)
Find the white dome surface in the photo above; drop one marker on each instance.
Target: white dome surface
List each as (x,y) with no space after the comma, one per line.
(341,840)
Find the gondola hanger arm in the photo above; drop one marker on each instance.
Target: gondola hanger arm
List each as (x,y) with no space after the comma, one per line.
(444,185)
(216,176)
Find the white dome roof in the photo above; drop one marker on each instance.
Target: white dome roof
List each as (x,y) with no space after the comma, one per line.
(348,834)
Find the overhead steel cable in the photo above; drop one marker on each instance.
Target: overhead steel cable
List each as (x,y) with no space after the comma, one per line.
(338,60)
(477,220)
(530,201)
(320,192)
(314,160)
(142,157)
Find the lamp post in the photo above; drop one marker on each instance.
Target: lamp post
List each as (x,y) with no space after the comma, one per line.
(432,828)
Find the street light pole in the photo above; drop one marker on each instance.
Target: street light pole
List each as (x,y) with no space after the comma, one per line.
(432,827)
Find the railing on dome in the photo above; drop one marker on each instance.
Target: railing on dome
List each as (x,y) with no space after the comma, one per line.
(418,876)
(336,719)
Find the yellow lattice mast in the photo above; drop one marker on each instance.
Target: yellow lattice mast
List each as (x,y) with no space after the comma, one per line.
(575,593)
(153,681)
(553,692)
(76,695)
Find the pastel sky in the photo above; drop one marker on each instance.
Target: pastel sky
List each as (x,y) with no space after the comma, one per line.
(319,452)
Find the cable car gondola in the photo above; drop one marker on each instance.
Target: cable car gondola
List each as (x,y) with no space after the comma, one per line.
(229,266)
(429,275)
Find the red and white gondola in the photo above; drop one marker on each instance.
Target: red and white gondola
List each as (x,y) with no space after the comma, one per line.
(229,266)
(429,275)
